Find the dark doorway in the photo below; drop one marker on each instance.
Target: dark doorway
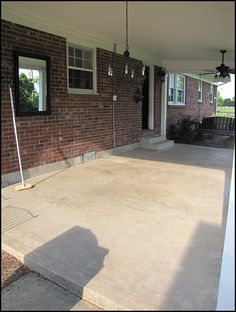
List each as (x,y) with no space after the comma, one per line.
(145,102)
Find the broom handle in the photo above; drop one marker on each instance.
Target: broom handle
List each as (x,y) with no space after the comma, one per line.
(17,144)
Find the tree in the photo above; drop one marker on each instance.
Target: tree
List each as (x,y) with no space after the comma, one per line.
(29,97)
(227,102)
(219,99)
(233,101)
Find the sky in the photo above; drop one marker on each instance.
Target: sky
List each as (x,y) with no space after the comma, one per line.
(228,90)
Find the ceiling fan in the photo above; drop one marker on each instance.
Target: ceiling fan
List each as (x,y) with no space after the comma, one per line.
(222,72)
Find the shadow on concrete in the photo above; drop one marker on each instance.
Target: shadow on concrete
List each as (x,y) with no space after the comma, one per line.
(63,158)
(14,216)
(32,292)
(70,260)
(195,286)
(50,176)
(187,155)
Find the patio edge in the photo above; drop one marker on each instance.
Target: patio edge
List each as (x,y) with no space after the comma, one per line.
(21,252)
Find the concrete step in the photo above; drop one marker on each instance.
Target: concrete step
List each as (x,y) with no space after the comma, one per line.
(152,139)
(157,146)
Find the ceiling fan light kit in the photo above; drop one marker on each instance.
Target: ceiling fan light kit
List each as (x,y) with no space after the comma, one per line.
(223,71)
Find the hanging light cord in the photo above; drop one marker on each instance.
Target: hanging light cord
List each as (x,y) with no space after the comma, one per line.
(127,47)
(223,54)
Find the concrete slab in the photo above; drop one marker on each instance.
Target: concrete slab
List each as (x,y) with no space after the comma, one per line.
(35,293)
(142,230)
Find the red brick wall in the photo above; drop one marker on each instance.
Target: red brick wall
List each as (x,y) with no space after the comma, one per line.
(192,107)
(78,123)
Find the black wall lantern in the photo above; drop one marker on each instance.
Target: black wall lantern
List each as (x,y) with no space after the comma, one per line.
(138,95)
(162,74)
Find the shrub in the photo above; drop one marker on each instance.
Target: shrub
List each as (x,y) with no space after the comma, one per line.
(184,129)
(198,136)
(172,132)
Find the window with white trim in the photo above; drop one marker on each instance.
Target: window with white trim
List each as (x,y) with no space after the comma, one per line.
(180,89)
(176,90)
(211,94)
(81,69)
(199,91)
(171,92)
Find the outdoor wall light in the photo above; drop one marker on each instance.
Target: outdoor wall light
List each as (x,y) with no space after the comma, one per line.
(162,74)
(138,95)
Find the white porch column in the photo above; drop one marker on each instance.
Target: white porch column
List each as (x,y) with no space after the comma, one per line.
(226,292)
(151,98)
(163,107)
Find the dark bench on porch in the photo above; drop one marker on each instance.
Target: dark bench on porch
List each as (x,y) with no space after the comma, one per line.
(217,125)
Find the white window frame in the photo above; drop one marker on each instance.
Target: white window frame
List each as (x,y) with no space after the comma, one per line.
(199,84)
(94,70)
(41,68)
(184,90)
(174,98)
(211,94)
(175,102)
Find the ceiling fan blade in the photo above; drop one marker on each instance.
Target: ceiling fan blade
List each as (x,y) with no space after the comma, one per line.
(210,73)
(232,71)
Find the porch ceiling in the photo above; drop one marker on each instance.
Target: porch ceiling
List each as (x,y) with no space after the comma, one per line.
(179,35)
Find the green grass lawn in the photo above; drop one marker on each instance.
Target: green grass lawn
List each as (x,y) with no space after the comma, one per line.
(225,111)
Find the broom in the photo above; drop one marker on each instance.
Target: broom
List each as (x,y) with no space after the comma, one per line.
(23,186)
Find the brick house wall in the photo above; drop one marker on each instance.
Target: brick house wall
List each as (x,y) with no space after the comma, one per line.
(78,123)
(192,107)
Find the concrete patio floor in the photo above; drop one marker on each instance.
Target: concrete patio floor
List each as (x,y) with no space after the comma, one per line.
(142,230)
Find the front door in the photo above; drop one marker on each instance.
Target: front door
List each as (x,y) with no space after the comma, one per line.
(145,102)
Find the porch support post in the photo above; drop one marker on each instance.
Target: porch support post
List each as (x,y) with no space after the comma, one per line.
(226,291)
(151,98)
(163,107)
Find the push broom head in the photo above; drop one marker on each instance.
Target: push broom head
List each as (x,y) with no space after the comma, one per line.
(23,187)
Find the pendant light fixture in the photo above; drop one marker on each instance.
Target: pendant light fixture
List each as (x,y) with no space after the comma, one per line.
(128,71)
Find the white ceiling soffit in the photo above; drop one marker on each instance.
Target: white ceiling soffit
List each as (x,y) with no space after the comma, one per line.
(182,36)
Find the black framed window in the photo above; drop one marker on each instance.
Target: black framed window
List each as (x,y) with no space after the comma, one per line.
(32,84)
